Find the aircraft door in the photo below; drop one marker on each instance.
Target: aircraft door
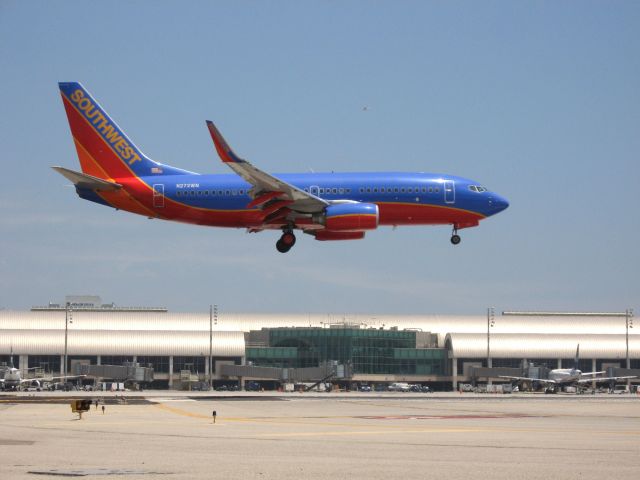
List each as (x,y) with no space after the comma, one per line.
(449,192)
(158,195)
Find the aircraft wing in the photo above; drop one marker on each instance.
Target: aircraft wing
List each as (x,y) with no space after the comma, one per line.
(83,180)
(529,379)
(51,379)
(268,191)
(605,379)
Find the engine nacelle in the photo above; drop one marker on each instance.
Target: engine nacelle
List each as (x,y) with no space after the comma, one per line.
(324,235)
(351,217)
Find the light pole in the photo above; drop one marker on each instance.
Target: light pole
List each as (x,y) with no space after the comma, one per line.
(213,317)
(68,315)
(490,323)
(628,316)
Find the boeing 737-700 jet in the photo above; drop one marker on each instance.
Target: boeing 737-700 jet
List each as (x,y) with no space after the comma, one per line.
(329,206)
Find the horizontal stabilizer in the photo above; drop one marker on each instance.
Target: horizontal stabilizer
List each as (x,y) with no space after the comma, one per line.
(83,180)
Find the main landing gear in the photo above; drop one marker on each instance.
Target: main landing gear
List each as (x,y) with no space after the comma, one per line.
(287,240)
(455,238)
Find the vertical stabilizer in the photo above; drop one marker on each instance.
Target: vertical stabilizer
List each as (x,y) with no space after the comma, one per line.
(103,148)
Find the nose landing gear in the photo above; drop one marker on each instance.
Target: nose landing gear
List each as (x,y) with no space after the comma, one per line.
(455,238)
(287,240)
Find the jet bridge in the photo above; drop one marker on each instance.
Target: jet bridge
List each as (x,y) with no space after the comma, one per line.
(289,375)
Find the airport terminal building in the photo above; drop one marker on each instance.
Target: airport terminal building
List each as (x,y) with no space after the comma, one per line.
(439,350)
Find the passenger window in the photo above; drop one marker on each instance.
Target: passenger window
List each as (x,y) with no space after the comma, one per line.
(395,190)
(341,190)
(193,193)
(228,192)
(335,190)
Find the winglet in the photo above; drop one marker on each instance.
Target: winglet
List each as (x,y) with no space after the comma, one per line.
(225,152)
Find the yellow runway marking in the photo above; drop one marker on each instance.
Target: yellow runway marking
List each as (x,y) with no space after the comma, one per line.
(364,432)
(180,411)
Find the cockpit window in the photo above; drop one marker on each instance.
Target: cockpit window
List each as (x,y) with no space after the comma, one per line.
(477,188)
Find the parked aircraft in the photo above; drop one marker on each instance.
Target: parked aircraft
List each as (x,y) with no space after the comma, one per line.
(328,206)
(12,378)
(563,377)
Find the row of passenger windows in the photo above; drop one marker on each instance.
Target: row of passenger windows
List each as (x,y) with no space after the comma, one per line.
(206,193)
(321,191)
(329,191)
(336,191)
(400,190)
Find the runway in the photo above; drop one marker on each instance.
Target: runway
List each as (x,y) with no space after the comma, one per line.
(325,436)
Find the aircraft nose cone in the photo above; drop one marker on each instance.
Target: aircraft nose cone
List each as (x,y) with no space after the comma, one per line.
(498,203)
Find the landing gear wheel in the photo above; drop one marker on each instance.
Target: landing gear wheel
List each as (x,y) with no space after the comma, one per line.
(287,240)
(281,247)
(455,239)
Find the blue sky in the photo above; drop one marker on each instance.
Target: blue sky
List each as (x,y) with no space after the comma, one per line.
(539,101)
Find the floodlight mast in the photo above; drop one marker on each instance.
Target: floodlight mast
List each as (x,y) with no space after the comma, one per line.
(490,323)
(210,345)
(628,317)
(213,319)
(67,313)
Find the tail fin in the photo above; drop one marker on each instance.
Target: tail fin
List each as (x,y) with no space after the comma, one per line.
(103,148)
(577,359)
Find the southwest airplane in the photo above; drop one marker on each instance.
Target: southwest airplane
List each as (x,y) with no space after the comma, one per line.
(329,206)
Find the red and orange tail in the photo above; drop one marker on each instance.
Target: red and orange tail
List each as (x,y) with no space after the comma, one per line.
(103,148)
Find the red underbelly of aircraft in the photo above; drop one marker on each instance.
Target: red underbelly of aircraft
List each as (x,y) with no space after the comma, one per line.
(408,214)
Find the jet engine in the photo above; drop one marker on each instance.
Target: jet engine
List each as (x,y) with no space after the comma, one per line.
(350,217)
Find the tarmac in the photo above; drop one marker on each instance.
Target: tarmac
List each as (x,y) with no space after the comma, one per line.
(318,436)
